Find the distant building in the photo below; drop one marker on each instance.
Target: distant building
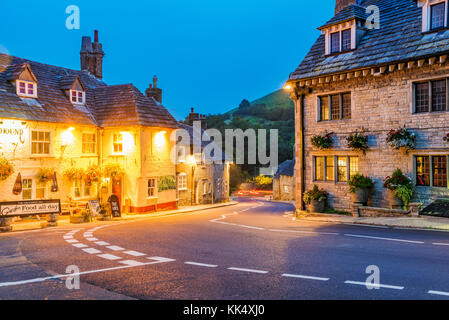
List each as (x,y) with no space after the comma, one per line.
(284,182)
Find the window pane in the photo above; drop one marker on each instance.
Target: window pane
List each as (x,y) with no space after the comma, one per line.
(335,107)
(40,190)
(27,188)
(342,169)
(422,97)
(423,171)
(353,165)
(335,42)
(346,40)
(347,106)
(330,174)
(439,95)
(324,103)
(440,172)
(437,15)
(319,168)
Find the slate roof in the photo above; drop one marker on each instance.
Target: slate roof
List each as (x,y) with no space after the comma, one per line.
(286,168)
(106,106)
(399,39)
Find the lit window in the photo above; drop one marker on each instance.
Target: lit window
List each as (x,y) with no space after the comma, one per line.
(423,171)
(342,169)
(439,171)
(152,184)
(26,89)
(40,190)
(324,108)
(77,188)
(353,166)
(286,189)
(27,189)
(89,143)
(330,173)
(319,168)
(335,107)
(437,16)
(339,107)
(182,181)
(117,143)
(82,189)
(325,169)
(40,142)
(77,97)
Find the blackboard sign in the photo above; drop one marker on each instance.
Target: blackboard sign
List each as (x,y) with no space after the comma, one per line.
(29,208)
(115,206)
(94,207)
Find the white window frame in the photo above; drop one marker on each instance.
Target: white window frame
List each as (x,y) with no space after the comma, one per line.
(34,187)
(50,149)
(78,102)
(180,154)
(350,25)
(155,195)
(120,142)
(182,181)
(83,189)
(94,143)
(26,95)
(427,13)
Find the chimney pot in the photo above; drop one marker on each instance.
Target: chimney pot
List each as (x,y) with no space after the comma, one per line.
(96,36)
(341,4)
(155,82)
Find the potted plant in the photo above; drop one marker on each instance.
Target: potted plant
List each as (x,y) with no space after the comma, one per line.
(359,187)
(6,169)
(45,174)
(74,173)
(316,199)
(322,141)
(400,190)
(92,174)
(358,142)
(401,138)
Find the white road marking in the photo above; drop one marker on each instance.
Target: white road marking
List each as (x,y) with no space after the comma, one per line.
(248,270)
(92,251)
(306,232)
(71,275)
(201,264)
(132,263)
(102,243)
(92,239)
(304,277)
(161,259)
(365,284)
(88,235)
(440,244)
(135,253)
(109,256)
(365,225)
(67,237)
(380,238)
(115,248)
(440,293)
(72,241)
(239,225)
(79,245)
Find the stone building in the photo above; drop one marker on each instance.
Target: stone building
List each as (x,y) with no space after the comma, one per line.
(70,121)
(202,178)
(364,76)
(284,182)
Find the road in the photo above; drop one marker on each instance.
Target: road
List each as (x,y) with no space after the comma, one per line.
(253,250)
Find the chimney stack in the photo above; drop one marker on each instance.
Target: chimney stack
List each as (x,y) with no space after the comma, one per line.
(192,117)
(153,91)
(92,56)
(341,4)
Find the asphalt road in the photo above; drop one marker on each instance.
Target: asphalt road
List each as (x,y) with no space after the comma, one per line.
(253,250)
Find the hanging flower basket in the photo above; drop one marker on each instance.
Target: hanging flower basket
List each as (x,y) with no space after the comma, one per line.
(358,142)
(92,174)
(73,174)
(113,171)
(446,138)
(6,169)
(401,138)
(322,142)
(45,174)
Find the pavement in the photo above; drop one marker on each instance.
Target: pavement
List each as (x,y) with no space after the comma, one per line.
(252,250)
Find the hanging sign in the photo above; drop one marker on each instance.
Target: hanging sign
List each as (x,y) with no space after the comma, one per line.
(29,208)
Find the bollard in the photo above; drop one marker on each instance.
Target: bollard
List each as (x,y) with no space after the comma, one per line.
(5,224)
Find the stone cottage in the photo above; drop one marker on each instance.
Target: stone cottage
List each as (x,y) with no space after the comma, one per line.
(377,66)
(284,182)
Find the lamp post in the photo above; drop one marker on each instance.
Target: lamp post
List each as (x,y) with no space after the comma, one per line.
(191,160)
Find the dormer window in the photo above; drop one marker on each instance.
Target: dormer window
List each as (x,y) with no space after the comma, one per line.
(26,89)
(341,37)
(434,14)
(77,97)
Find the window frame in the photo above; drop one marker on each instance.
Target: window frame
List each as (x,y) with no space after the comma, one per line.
(27,83)
(50,149)
(182,181)
(155,193)
(117,143)
(430,97)
(329,107)
(95,143)
(82,190)
(431,170)
(77,92)
(349,171)
(431,13)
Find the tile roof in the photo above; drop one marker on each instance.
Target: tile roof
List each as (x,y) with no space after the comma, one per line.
(286,168)
(105,106)
(399,38)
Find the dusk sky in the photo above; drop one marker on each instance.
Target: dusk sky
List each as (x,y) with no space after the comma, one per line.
(207,54)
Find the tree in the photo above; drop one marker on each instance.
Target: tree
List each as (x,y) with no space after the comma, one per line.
(244,104)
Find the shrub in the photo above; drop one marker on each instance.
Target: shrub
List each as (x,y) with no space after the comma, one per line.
(401,138)
(112,171)
(322,141)
(92,174)
(6,169)
(359,181)
(315,194)
(358,141)
(405,193)
(401,185)
(263,182)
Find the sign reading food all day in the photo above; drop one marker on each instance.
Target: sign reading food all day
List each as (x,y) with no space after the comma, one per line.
(29,208)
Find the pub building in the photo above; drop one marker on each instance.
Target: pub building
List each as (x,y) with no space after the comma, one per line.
(69,136)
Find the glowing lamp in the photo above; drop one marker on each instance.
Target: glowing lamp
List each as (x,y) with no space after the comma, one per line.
(287,87)
(67,137)
(159,139)
(128,142)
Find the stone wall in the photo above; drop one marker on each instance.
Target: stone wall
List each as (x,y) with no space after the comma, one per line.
(379,104)
(279,191)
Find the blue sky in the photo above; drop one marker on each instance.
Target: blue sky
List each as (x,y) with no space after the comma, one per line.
(207,54)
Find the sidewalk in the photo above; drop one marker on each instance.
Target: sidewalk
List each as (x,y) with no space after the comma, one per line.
(65,220)
(422,222)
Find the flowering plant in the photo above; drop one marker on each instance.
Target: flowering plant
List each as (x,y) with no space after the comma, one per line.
(92,174)
(74,173)
(446,138)
(401,185)
(322,141)
(45,174)
(358,141)
(401,138)
(112,171)
(6,169)
(359,181)
(315,194)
